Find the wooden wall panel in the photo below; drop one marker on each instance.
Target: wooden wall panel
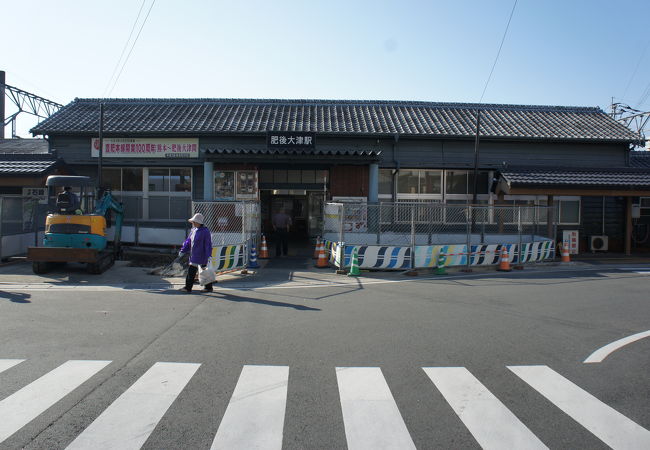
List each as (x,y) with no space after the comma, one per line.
(349,181)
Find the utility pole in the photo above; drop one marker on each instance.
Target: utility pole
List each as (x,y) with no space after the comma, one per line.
(2,104)
(101,144)
(476,152)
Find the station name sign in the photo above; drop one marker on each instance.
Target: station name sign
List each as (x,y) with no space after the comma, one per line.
(283,139)
(146,148)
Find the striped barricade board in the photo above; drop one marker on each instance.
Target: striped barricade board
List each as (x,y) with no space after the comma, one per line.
(380,257)
(226,257)
(481,255)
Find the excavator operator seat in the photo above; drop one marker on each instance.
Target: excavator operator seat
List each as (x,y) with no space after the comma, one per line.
(64,203)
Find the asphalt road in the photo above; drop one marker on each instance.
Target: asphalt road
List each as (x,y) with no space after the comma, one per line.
(301,360)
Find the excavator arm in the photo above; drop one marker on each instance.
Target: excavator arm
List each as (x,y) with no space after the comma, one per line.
(106,204)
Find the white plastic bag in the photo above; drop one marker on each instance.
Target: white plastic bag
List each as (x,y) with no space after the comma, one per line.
(206,276)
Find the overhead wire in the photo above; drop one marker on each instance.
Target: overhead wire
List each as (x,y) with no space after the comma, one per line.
(635,69)
(117,64)
(499,52)
(132,46)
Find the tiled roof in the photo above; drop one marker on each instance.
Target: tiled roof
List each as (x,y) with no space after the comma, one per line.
(623,178)
(640,159)
(263,150)
(23,146)
(342,117)
(27,164)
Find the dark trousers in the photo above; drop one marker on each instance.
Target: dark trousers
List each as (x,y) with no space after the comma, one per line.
(189,280)
(281,242)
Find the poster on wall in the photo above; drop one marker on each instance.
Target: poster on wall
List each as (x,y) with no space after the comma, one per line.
(246,185)
(355,217)
(224,185)
(146,148)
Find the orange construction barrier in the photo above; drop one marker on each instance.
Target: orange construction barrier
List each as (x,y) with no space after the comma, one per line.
(319,243)
(565,253)
(264,250)
(322,262)
(504,263)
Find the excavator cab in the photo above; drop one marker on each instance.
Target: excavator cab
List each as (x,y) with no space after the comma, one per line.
(75,228)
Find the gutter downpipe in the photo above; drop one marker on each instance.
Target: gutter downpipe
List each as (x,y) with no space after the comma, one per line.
(396,162)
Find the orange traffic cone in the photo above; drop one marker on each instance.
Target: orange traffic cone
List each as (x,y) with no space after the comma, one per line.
(321,262)
(565,253)
(319,244)
(264,250)
(504,263)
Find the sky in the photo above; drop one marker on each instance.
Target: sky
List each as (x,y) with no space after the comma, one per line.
(556,52)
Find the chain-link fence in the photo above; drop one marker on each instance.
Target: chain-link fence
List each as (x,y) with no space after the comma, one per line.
(417,223)
(22,222)
(416,234)
(235,227)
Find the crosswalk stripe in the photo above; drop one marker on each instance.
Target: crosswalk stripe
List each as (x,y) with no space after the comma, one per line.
(610,426)
(491,423)
(370,414)
(9,363)
(254,417)
(129,420)
(22,407)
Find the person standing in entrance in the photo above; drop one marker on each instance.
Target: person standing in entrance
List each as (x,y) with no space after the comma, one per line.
(199,245)
(281,223)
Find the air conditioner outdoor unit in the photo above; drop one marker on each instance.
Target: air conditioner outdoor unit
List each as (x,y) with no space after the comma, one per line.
(598,243)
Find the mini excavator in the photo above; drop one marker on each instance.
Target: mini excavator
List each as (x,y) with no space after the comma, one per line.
(75,228)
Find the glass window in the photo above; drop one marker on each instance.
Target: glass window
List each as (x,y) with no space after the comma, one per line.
(112,179)
(456,182)
(293,176)
(322,176)
(159,180)
(180,180)
(279,176)
(308,176)
(266,176)
(386,181)
(224,185)
(408,182)
(131,179)
(430,181)
(483,185)
(570,211)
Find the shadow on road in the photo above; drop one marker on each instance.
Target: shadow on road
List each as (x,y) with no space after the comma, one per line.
(221,295)
(225,295)
(18,297)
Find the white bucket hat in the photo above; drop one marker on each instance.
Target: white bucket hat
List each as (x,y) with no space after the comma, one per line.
(198,218)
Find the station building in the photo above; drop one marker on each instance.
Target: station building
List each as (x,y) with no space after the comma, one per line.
(160,154)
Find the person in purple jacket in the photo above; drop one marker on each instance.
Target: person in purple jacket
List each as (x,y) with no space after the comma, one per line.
(199,245)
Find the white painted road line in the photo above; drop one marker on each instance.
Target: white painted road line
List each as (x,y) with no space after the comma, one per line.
(20,408)
(491,423)
(370,414)
(610,426)
(9,363)
(605,351)
(254,418)
(129,420)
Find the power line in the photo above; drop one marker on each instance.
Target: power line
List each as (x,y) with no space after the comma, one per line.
(132,46)
(499,52)
(635,70)
(117,64)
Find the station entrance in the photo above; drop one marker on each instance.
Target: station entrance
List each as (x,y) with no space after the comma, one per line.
(306,211)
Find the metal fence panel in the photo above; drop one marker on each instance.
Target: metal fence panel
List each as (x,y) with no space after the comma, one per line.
(427,223)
